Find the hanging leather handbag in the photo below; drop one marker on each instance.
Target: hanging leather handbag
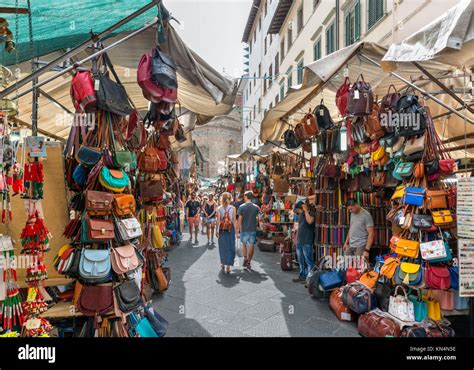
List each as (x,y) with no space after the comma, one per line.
(124,204)
(422,222)
(454,277)
(281,186)
(164,70)
(95,265)
(403,170)
(291,140)
(447,166)
(389,106)
(382,293)
(98,203)
(301,133)
(112,96)
(358,298)
(337,306)
(414,145)
(378,178)
(445,298)
(407,248)
(352,275)
(434,309)
(129,228)
(342,96)
(150,190)
(151,91)
(323,117)
(372,123)
(419,170)
(431,167)
(124,259)
(433,250)
(442,218)
(99,230)
(409,106)
(400,307)
(452,197)
(128,296)
(162,279)
(390,267)
(82,92)
(88,156)
(409,274)
(419,306)
(437,277)
(361,98)
(414,196)
(114,180)
(436,199)
(375,325)
(378,154)
(369,279)
(396,146)
(149,160)
(96,300)
(311,125)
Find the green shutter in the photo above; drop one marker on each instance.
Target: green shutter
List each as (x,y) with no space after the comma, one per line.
(357,21)
(348,29)
(371,13)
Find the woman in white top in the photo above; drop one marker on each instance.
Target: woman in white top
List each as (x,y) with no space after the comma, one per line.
(225,232)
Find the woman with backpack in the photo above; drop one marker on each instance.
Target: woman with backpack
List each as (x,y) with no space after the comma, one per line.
(225,232)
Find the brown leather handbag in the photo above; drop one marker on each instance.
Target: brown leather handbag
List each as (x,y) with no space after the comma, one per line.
(373,325)
(301,133)
(96,300)
(310,125)
(150,190)
(419,170)
(149,160)
(361,98)
(281,186)
(162,280)
(436,199)
(337,306)
(372,123)
(98,203)
(100,230)
(378,178)
(124,204)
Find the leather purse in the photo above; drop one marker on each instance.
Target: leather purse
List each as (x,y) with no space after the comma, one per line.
(437,277)
(162,279)
(409,274)
(330,280)
(398,193)
(124,204)
(310,124)
(454,277)
(414,196)
(96,300)
(369,279)
(361,98)
(419,306)
(291,140)
(445,298)
(129,228)
(419,170)
(403,170)
(124,259)
(98,203)
(149,160)
(401,307)
(447,166)
(389,267)
(442,218)
(378,154)
(337,306)
(378,178)
(436,199)
(95,265)
(372,123)
(375,325)
(99,230)
(397,146)
(164,70)
(281,186)
(150,190)
(407,248)
(88,156)
(433,250)
(434,309)
(358,298)
(414,145)
(128,296)
(431,167)
(113,180)
(352,275)
(301,133)
(382,292)
(422,221)
(342,96)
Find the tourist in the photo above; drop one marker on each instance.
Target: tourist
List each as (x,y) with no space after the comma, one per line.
(248,219)
(193,208)
(203,201)
(210,208)
(225,232)
(239,201)
(305,240)
(361,231)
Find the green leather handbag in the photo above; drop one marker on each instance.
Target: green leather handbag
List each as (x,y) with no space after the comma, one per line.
(115,179)
(403,169)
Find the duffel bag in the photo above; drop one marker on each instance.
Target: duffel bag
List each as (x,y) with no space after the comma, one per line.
(375,325)
(358,298)
(337,306)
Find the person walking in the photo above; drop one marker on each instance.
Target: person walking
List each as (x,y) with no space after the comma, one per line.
(248,219)
(203,201)
(210,209)
(225,232)
(193,209)
(305,240)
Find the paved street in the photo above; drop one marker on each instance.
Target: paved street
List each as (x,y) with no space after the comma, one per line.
(203,302)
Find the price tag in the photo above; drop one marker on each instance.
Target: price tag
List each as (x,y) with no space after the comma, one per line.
(321,111)
(345,316)
(96,85)
(356,94)
(402,220)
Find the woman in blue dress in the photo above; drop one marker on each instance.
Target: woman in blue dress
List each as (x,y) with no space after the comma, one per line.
(225,232)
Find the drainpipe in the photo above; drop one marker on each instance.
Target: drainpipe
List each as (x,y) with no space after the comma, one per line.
(337,25)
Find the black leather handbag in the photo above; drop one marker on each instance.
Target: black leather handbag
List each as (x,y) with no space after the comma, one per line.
(431,167)
(323,117)
(422,221)
(73,270)
(128,296)
(291,140)
(112,96)
(164,70)
(409,104)
(382,292)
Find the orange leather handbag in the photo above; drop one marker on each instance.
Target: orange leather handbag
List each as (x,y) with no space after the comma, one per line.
(389,267)
(369,279)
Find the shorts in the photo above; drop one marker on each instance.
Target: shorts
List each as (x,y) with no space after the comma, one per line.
(211,220)
(248,238)
(193,221)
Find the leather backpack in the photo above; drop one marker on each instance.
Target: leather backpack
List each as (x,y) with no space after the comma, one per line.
(291,139)
(323,117)
(372,124)
(82,92)
(164,70)
(301,133)
(389,105)
(361,98)
(342,96)
(226,222)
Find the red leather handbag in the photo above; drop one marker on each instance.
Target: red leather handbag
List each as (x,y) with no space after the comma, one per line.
(352,275)
(342,95)
(373,325)
(82,92)
(150,90)
(447,166)
(437,277)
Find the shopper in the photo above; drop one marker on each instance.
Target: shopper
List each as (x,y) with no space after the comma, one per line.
(210,209)
(239,201)
(225,232)
(193,210)
(361,231)
(305,240)
(248,219)
(203,201)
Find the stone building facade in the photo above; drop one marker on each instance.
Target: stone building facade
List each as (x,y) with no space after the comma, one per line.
(217,139)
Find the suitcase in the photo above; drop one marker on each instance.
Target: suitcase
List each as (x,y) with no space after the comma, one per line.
(287,246)
(267,246)
(358,298)
(286,262)
(341,311)
(373,325)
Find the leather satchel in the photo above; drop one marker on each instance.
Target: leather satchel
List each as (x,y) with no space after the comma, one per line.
(150,190)
(337,306)
(124,204)
(98,203)
(361,98)
(124,259)
(323,117)
(95,265)
(96,300)
(436,199)
(442,218)
(407,248)
(374,325)
(409,274)
(372,124)
(358,298)
(129,228)
(437,277)
(149,160)
(378,178)
(128,296)
(99,230)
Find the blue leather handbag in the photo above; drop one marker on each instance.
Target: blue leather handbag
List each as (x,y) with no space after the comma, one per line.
(79,175)
(420,307)
(140,326)
(95,265)
(158,322)
(414,196)
(330,279)
(454,277)
(88,156)
(115,179)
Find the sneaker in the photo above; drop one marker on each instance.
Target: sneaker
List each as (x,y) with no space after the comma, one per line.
(299,280)
(244,264)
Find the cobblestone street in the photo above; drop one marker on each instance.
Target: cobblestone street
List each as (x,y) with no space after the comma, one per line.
(203,302)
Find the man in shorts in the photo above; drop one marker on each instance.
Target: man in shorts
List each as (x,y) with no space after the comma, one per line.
(193,213)
(248,216)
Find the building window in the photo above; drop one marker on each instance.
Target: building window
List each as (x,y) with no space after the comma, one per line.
(289,77)
(352,25)
(282,50)
(270,75)
(265,41)
(300,72)
(300,19)
(282,90)
(277,65)
(290,37)
(265,7)
(317,50)
(254,79)
(316,3)
(259,23)
(277,100)
(265,84)
(375,12)
(331,39)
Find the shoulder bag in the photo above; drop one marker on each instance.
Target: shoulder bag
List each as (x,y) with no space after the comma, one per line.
(95,265)
(400,307)
(128,296)
(361,98)
(96,300)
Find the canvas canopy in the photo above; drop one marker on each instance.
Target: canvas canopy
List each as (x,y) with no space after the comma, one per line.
(322,79)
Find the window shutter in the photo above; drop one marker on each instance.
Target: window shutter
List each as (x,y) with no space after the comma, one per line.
(371,13)
(357,21)
(348,29)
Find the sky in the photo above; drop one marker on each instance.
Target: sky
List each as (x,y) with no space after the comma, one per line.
(213,29)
